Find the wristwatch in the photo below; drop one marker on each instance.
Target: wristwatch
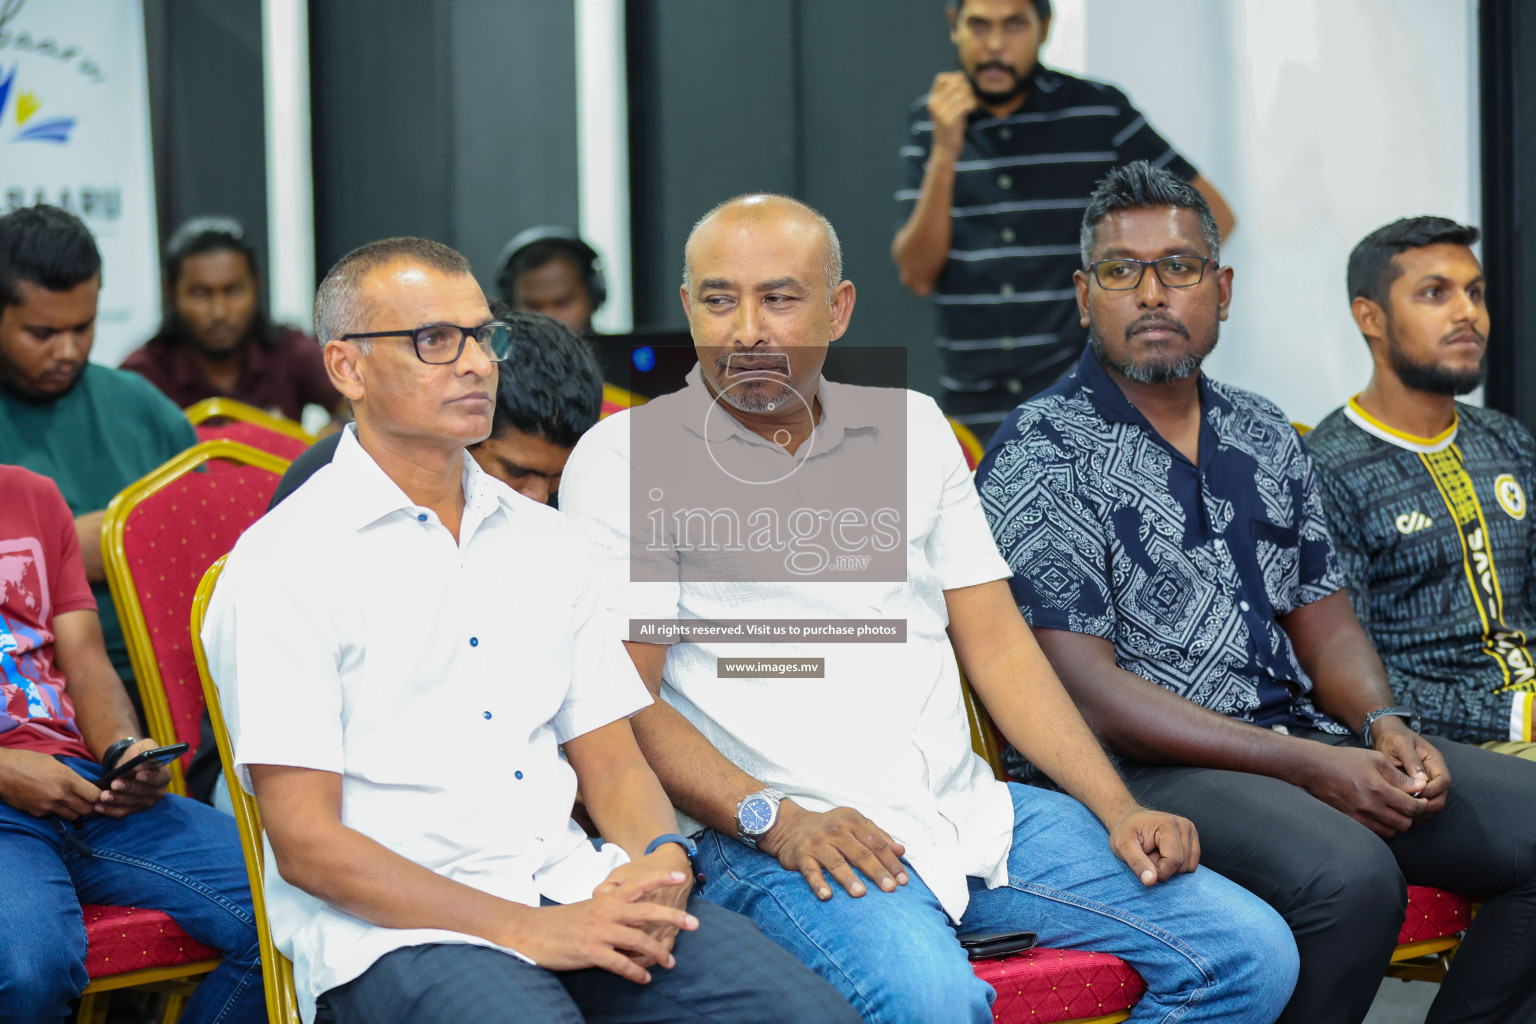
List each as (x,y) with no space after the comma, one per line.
(756,814)
(1396,710)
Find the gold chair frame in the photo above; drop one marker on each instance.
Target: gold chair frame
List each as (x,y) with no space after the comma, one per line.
(141,651)
(219,407)
(276,969)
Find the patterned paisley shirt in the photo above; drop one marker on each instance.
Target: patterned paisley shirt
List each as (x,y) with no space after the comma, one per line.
(1185,567)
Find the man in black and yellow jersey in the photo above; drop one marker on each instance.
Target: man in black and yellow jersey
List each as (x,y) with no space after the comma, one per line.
(1427,498)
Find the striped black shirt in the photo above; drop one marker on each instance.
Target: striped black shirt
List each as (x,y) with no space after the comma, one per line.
(1007,316)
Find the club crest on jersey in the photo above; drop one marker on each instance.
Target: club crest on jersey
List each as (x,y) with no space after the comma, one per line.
(1412,522)
(1511,496)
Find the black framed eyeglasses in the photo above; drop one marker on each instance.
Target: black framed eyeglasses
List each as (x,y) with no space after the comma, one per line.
(444,343)
(1121,275)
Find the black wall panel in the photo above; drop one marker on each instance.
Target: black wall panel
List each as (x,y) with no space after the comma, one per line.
(1508,66)
(383,139)
(807,97)
(450,119)
(713,97)
(207,117)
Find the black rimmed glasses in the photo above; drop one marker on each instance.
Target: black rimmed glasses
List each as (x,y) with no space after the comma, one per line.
(1121,275)
(444,343)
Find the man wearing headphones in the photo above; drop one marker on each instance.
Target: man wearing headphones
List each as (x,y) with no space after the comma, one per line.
(550,270)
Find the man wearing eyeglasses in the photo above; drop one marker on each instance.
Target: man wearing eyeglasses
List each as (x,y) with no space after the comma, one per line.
(1168,544)
(403,736)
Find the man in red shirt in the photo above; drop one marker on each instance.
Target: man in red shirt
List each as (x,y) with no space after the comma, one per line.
(215,338)
(65,719)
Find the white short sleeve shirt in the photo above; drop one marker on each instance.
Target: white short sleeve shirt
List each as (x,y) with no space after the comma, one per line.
(885,731)
(349,633)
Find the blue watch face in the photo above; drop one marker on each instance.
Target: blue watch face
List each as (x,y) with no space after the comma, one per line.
(756,815)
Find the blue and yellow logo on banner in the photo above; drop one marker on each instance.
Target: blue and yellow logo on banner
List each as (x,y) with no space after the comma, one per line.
(23,112)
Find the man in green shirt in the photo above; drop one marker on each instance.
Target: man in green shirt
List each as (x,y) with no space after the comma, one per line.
(94,430)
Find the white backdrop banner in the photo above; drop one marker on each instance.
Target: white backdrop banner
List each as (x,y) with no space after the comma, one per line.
(74,131)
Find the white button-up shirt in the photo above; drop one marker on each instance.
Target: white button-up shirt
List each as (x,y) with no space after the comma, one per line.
(350,634)
(885,731)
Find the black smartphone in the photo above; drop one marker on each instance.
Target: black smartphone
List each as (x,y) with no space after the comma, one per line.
(146,759)
(991,945)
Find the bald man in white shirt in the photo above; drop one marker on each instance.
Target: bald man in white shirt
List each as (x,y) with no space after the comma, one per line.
(847,813)
(402,733)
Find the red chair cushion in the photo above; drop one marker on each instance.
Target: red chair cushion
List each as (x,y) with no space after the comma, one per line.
(253,434)
(1433,914)
(170,539)
(1043,985)
(123,939)
(1039,986)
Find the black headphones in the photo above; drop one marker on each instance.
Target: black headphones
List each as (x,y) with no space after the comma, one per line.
(588,263)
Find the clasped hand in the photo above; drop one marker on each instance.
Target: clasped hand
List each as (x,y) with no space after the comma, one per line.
(1403,780)
(628,925)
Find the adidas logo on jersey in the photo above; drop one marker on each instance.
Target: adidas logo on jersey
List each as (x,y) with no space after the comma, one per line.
(1413,522)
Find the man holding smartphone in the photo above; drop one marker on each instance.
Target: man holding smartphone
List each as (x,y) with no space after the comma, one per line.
(403,733)
(65,721)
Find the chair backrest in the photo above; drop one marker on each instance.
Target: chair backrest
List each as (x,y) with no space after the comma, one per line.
(276,969)
(616,398)
(257,436)
(969,444)
(218,417)
(159,535)
(984,737)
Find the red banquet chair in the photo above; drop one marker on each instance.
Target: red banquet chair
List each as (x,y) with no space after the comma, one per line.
(969,443)
(616,399)
(158,537)
(215,418)
(1043,986)
(129,947)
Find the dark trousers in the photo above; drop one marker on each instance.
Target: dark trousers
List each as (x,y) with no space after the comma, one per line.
(1341,888)
(727,972)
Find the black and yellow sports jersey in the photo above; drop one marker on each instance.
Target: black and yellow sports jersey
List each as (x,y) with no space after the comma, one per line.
(1436,546)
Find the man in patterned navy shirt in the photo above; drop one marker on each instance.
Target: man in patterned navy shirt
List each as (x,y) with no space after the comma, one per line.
(1169,547)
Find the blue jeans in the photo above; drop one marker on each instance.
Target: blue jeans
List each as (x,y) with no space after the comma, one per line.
(178,856)
(1208,950)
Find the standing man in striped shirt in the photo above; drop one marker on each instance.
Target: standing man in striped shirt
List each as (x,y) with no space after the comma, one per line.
(998,166)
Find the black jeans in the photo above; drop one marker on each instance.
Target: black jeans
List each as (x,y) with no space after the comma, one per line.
(727,972)
(1341,887)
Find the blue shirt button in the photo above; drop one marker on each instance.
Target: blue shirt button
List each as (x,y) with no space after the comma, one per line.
(517,775)
(487,714)
(474,641)
(422,517)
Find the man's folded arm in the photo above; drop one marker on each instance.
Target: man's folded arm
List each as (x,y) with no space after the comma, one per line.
(316,852)
(619,789)
(1142,721)
(1015,682)
(701,781)
(1021,692)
